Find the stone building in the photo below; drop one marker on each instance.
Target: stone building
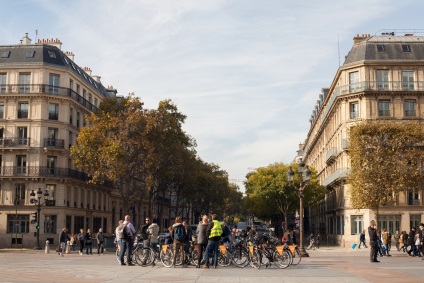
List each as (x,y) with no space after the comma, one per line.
(382,78)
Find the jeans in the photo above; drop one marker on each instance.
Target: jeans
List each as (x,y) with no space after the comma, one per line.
(63,247)
(81,246)
(201,248)
(154,246)
(127,246)
(213,246)
(89,247)
(178,245)
(100,247)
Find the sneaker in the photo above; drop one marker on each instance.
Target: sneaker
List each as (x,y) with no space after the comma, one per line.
(62,255)
(205,266)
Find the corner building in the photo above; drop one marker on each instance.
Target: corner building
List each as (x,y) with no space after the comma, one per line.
(44,96)
(382,78)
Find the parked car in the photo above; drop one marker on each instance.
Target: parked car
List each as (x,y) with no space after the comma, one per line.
(242,226)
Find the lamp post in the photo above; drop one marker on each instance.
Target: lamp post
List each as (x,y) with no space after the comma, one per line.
(37,202)
(304,177)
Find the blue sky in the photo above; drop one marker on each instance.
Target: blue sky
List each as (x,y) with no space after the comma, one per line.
(246,73)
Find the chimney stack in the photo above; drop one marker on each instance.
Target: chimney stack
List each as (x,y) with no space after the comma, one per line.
(55,42)
(87,70)
(26,40)
(97,78)
(70,55)
(358,39)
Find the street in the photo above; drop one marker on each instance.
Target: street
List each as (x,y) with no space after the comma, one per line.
(329,264)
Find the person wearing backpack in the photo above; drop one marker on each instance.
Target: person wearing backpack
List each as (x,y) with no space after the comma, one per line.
(127,241)
(214,233)
(178,234)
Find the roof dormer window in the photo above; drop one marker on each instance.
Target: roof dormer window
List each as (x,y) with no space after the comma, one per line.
(4,54)
(406,48)
(52,54)
(30,54)
(381,48)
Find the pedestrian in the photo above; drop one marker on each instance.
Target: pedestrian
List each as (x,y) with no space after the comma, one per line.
(72,241)
(88,242)
(311,242)
(379,244)
(225,232)
(100,242)
(362,240)
(144,233)
(251,235)
(202,239)
(178,234)
(119,235)
(81,240)
(187,239)
(416,245)
(128,232)
(422,239)
(63,238)
(385,240)
(411,242)
(153,231)
(317,240)
(396,237)
(214,233)
(402,241)
(372,233)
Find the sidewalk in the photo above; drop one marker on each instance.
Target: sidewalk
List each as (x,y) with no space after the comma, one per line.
(328,264)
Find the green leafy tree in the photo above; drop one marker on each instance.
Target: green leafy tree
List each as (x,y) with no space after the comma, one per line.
(386,158)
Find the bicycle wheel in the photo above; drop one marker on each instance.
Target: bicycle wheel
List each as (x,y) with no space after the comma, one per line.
(240,258)
(194,256)
(166,257)
(282,261)
(145,256)
(255,259)
(224,259)
(297,257)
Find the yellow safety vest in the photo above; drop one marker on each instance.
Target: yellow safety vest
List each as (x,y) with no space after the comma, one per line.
(216,230)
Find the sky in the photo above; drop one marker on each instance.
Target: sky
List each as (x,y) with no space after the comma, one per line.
(247,73)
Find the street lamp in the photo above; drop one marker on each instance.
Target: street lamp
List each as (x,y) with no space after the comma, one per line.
(304,177)
(38,203)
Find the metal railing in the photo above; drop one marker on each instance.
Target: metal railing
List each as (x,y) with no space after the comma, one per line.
(15,142)
(54,143)
(40,171)
(331,154)
(47,89)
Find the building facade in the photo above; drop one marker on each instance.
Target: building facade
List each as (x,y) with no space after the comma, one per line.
(382,78)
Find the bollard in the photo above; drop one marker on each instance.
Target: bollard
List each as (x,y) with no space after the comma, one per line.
(47,250)
(67,247)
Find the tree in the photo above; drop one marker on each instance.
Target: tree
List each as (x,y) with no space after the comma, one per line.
(386,158)
(268,190)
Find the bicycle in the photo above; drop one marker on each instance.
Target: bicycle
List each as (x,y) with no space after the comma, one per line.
(136,247)
(145,256)
(240,254)
(295,252)
(265,248)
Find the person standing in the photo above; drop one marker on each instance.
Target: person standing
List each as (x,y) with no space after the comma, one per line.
(100,242)
(214,233)
(81,240)
(402,241)
(127,240)
(72,241)
(362,240)
(225,232)
(63,238)
(372,233)
(178,235)
(187,239)
(411,242)
(119,235)
(144,233)
(396,237)
(202,238)
(385,239)
(317,240)
(88,242)
(153,231)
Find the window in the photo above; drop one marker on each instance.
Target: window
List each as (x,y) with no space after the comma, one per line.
(23,136)
(53,111)
(20,193)
(1,111)
(413,197)
(95,102)
(30,54)
(384,108)
(18,224)
(23,110)
(78,119)
(406,48)
(3,83)
(71,84)
(53,84)
(51,189)
(383,79)
(20,164)
(51,137)
(357,222)
(354,110)
(340,224)
(24,82)
(78,223)
(71,139)
(390,222)
(414,221)
(51,165)
(381,48)
(4,54)
(50,224)
(78,88)
(409,107)
(407,80)
(353,82)
(52,54)
(71,115)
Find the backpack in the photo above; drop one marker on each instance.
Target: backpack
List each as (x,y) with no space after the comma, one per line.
(125,234)
(179,233)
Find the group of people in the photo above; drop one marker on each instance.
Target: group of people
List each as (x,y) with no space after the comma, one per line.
(209,234)
(380,241)
(84,239)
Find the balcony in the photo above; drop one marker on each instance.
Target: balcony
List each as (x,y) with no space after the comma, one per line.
(54,143)
(22,114)
(53,116)
(39,171)
(14,142)
(49,90)
(338,175)
(345,144)
(354,115)
(383,113)
(331,155)
(410,113)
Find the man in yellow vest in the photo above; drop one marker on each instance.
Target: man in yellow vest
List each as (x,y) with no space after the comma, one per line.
(213,232)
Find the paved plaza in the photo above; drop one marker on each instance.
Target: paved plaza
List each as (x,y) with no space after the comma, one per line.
(329,264)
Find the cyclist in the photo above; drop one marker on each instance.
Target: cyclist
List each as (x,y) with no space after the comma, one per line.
(153,231)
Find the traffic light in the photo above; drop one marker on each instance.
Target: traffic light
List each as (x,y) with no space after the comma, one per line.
(34,217)
(37,227)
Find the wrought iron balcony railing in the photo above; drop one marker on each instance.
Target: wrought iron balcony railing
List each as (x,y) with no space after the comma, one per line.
(15,142)
(54,143)
(40,171)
